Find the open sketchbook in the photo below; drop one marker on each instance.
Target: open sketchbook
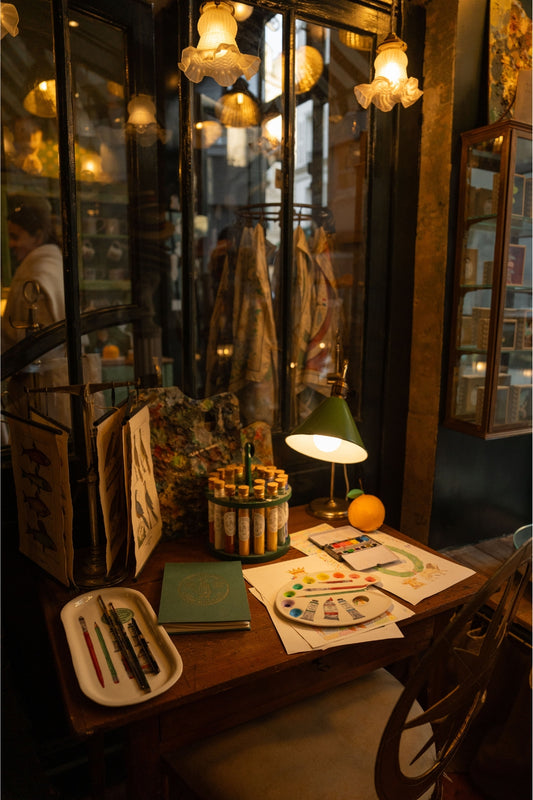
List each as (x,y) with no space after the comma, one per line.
(126,489)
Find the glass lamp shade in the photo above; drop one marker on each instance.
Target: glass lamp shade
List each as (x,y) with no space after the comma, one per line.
(238,109)
(9,19)
(391,84)
(309,65)
(242,11)
(355,40)
(141,110)
(217,54)
(329,434)
(41,100)
(391,63)
(206,133)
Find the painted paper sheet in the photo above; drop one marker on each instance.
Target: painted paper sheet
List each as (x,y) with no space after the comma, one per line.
(143,501)
(418,574)
(42,485)
(111,482)
(267,580)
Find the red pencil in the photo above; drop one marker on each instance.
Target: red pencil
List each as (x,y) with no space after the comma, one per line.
(90,648)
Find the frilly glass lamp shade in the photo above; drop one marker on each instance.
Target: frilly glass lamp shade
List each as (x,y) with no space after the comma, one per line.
(391,84)
(141,110)
(329,434)
(217,54)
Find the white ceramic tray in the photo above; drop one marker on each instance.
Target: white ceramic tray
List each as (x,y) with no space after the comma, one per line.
(331,598)
(128,603)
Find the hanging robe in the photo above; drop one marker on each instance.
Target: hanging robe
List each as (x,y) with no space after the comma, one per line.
(326,322)
(255,358)
(301,317)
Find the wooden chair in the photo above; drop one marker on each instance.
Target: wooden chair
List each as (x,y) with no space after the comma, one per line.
(369,739)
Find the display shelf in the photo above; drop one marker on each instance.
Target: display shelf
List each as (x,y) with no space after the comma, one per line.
(489,381)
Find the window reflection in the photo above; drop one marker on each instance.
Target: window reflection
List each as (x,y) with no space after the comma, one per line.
(272,302)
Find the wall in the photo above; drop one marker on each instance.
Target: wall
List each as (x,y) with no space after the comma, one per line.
(482,488)
(456,488)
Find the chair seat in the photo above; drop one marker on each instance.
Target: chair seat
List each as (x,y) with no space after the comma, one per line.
(322,748)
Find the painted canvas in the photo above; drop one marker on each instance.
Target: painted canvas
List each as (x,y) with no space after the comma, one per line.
(509,52)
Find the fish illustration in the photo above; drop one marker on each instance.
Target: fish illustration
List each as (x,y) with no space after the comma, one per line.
(37,505)
(36,455)
(37,480)
(41,536)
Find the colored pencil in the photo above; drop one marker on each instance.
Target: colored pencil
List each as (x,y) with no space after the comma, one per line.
(90,648)
(144,646)
(105,651)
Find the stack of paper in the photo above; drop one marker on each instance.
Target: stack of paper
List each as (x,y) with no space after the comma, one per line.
(268,579)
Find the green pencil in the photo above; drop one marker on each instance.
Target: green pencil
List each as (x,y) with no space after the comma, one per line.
(105,651)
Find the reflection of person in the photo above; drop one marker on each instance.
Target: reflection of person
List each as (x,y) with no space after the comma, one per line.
(32,240)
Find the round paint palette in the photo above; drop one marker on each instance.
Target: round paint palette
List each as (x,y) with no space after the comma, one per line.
(331,598)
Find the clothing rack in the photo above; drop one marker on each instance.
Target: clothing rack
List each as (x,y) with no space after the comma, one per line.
(322,216)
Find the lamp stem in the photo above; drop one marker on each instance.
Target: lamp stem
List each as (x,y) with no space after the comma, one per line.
(329,507)
(332,482)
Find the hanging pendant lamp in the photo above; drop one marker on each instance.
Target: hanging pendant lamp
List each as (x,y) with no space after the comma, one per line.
(391,84)
(217,54)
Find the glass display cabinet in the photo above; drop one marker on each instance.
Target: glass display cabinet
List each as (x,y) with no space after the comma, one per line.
(489,386)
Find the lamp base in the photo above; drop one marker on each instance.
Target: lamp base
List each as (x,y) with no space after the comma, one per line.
(329,508)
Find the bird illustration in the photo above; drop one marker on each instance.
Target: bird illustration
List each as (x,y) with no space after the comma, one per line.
(139,510)
(149,504)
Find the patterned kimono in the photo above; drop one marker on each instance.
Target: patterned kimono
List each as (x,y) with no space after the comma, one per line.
(255,348)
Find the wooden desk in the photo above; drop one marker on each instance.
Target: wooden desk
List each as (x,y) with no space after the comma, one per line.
(227,677)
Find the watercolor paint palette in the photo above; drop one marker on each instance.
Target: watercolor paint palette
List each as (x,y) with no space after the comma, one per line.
(333,598)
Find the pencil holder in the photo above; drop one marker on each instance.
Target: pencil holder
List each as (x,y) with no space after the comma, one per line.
(248,513)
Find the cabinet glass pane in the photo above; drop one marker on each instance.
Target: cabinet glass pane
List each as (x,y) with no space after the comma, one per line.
(99,80)
(476,278)
(491,355)
(30,170)
(514,400)
(258,318)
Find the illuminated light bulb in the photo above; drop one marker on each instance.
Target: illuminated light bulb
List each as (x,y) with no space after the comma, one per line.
(326,444)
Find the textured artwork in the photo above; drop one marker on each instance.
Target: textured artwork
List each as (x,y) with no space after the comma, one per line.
(509,52)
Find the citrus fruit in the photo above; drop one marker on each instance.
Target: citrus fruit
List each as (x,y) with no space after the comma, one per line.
(366,512)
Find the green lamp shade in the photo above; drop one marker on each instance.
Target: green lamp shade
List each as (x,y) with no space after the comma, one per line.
(329,434)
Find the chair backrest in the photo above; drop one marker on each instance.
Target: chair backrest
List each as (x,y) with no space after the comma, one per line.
(451,681)
(522,535)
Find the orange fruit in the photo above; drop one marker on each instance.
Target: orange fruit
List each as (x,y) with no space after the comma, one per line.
(366,512)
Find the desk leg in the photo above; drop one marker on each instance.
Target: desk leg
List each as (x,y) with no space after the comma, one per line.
(97,766)
(143,761)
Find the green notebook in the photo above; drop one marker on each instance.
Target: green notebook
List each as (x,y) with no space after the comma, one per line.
(204,596)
